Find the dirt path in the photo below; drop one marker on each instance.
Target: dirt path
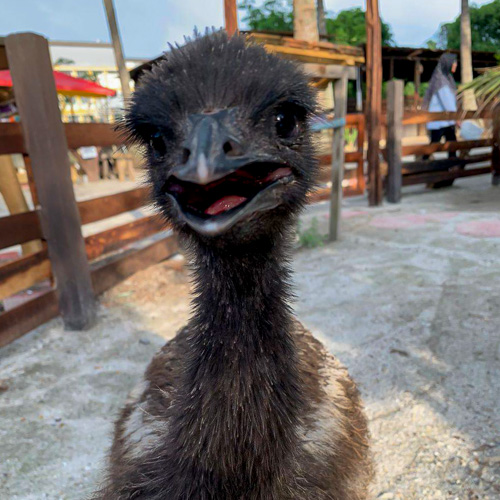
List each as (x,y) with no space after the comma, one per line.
(408,300)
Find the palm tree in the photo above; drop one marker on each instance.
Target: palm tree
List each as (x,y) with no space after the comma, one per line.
(485,88)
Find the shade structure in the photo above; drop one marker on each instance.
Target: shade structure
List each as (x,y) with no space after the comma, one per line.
(67,85)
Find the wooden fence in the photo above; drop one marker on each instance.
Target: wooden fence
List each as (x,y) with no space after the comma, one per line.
(424,170)
(74,269)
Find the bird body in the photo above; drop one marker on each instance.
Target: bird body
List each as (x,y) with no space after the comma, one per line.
(243,403)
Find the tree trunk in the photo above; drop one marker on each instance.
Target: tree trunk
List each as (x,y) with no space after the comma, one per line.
(305,23)
(321,20)
(469,102)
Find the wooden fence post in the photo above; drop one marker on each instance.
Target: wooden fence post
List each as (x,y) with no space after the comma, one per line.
(340,92)
(495,159)
(44,135)
(395,105)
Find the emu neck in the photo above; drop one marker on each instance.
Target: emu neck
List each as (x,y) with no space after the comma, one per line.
(242,387)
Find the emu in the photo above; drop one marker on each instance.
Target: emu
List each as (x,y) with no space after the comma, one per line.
(243,404)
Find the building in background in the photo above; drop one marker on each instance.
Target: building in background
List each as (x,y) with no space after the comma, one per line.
(93,61)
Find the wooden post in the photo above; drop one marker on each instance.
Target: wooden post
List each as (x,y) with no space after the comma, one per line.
(231,16)
(373,99)
(321,20)
(117,47)
(44,135)
(495,159)
(340,92)
(395,104)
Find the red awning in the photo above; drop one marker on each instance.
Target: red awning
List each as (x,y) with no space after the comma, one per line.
(67,85)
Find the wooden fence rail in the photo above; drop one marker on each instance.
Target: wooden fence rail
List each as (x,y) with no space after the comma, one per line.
(428,170)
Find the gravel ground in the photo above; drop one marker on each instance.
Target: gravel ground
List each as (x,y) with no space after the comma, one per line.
(408,300)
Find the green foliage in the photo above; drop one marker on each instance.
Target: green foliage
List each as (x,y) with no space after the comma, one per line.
(272,15)
(485,27)
(349,28)
(486,87)
(346,28)
(431,44)
(311,237)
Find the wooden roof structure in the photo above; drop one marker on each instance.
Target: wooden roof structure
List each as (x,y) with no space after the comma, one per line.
(321,59)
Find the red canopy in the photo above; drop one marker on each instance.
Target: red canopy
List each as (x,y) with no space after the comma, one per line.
(67,85)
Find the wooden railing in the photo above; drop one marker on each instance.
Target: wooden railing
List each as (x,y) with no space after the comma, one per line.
(72,270)
(425,170)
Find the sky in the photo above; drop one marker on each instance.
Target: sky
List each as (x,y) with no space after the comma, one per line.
(147,26)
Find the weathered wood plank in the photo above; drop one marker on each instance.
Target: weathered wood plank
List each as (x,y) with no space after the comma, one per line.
(420,117)
(428,149)
(77,136)
(22,319)
(395,107)
(337,172)
(23,273)
(117,237)
(43,131)
(109,206)
(422,166)
(433,177)
(107,274)
(19,228)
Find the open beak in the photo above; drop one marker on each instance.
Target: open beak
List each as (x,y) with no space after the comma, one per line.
(219,182)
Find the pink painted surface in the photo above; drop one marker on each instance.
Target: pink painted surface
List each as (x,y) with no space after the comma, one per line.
(406,221)
(480,228)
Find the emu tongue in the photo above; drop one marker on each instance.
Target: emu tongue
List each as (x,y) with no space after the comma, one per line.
(224,204)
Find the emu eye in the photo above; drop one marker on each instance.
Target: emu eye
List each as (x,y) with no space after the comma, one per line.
(287,123)
(157,142)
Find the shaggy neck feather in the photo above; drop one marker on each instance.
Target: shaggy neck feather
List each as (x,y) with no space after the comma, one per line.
(241,394)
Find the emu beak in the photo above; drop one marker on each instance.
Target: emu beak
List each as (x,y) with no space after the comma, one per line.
(219,181)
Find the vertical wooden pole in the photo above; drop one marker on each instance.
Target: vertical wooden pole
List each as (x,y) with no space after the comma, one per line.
(373,99)
(231,16)
(395,104)
(117,47)
(321,19)
(340,92)
(36,98)
(360,171)
(495,159)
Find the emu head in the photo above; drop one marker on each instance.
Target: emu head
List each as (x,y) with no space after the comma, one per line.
(225,130)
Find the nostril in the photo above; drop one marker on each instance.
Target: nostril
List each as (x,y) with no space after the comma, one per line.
(232,149)
(185,155)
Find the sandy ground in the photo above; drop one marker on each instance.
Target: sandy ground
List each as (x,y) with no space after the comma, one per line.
(408,300)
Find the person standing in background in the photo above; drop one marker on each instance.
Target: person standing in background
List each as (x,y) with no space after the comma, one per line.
(441,96)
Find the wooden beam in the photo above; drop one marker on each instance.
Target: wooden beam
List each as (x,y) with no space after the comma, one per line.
(110,272)
(22,319)
(374,99)
(36,98)
(433,177)
(315,56)
(395,106)
(114,204)
(419,117)
(231,17)
(337,173)
(444,164)
(116,238)
(23,273)
(117,48)
(495,160)
(19,228)
(428,149)
(330,71)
